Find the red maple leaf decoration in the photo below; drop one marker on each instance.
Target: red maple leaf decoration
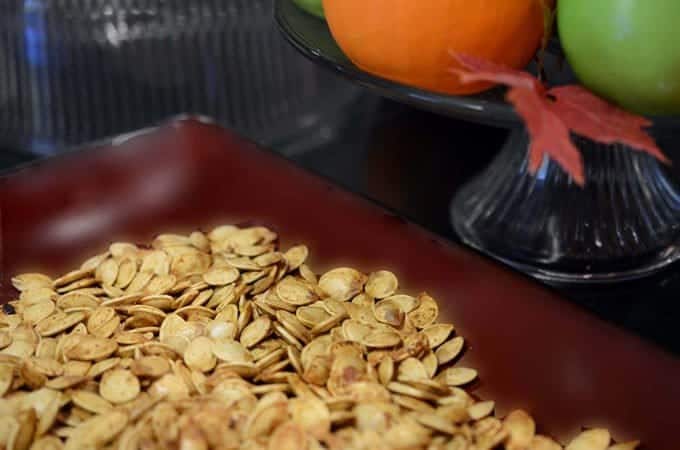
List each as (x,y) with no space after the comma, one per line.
(551,114)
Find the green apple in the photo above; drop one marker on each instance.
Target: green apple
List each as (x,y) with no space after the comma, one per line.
(627,51)
(311,6)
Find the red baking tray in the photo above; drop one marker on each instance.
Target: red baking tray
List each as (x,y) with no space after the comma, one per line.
(534,350)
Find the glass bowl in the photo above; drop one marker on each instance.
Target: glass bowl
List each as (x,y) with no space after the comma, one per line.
(624,224)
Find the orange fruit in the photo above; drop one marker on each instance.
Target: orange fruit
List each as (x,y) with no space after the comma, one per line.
(410,41)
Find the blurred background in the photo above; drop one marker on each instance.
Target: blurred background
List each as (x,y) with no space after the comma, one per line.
(77,71)
(74,71)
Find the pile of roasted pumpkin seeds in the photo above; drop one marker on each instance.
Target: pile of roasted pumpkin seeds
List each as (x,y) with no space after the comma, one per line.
(221,341)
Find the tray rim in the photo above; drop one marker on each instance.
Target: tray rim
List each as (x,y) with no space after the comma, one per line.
(112,141)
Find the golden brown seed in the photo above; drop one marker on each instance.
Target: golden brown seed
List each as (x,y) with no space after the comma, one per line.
(58,322)
(307,274)
(72,276)
(90,348)
(386,370)
(521,429)
(6,376)
(295,292)
(312,415)
(27,281)
(256,331)
(127,270)
(47,443)
(546,443)
(405,389)
(296,256)
(381,284)
(199,354)
(231,351)
(150,366)
(289,436)
(119,386)
(107,271)
(436,422)
(342,283)
(438,333)
(38,311)
(102,366)
(389,312)
(426,312)
(412,369)
(90,401)
(27,421)
(171,387)
(595,439)
(220,276)
(481,410)
(65,382)
(97,431)
(310,316)
(448,351)
(382,339)
(5,338)
(431,364)
(457,376)
(36,295)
